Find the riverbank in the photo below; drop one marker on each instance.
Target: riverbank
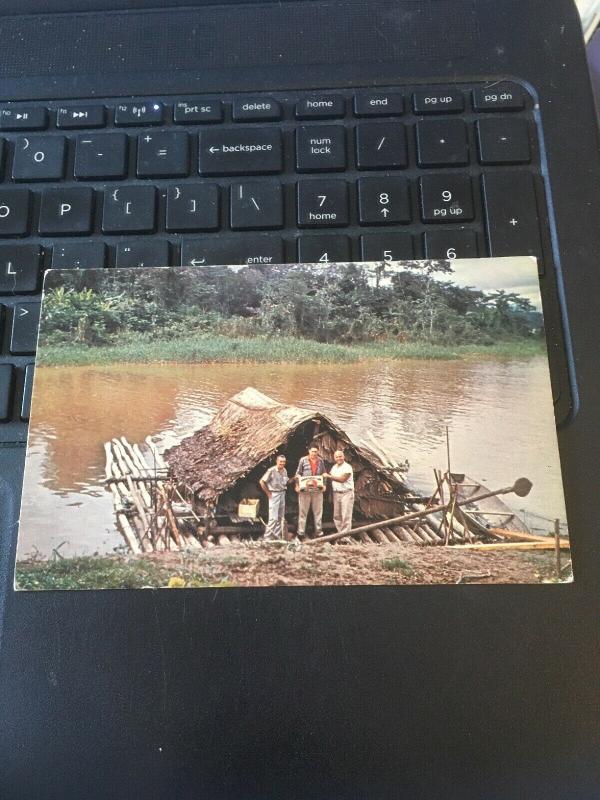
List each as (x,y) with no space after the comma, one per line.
(273,349)
(277,564)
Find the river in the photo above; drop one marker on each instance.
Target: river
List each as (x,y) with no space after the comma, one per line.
(498,413)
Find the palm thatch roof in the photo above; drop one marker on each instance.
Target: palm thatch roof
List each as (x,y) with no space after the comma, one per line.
(248,430)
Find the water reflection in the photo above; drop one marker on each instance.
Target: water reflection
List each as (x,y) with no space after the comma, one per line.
(498,412)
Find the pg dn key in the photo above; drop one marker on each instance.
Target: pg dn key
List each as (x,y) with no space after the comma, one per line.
(446,198)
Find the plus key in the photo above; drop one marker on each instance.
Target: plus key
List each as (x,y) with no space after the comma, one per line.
(511,215)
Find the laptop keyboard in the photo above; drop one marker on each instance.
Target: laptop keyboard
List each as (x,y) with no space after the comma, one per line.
(385,174)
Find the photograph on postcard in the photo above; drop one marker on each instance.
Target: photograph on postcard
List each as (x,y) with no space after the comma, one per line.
(280,425)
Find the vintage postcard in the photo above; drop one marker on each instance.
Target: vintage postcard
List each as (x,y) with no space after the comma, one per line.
(330,424)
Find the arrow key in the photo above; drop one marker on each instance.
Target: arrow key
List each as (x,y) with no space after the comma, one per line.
(19,268)
(24,331)
(383,201)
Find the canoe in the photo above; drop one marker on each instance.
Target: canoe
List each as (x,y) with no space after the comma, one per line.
(485,514)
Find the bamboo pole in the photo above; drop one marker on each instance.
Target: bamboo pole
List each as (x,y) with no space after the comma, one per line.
(550,545)
(376,534)
(557,546)
(122,521)
(524,536)
(390,535)
(519,486)
(402,533)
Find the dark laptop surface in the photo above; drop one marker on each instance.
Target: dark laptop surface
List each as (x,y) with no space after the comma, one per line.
(282,132)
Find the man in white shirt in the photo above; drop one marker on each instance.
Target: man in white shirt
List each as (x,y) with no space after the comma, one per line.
(342,483)
(274,483)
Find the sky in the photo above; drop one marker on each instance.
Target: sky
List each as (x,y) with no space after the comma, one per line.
(517,274)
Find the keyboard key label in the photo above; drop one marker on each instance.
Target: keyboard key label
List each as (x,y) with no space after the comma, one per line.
(241,421)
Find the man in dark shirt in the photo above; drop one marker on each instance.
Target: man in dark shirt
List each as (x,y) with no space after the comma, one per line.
(310,498)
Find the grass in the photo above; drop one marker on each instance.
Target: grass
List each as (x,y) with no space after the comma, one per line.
(94,572)
(397,565)
(216,348)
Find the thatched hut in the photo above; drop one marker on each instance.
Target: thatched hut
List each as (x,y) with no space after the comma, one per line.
(222,463)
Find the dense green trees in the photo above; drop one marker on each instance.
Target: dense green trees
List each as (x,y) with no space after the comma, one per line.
(342,303)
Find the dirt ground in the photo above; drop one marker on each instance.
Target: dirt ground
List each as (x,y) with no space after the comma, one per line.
(294,564)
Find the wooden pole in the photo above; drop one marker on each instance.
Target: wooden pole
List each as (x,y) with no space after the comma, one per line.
(517,486)
(557,546)
(549,545)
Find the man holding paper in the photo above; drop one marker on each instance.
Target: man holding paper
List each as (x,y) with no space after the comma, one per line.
(310,487)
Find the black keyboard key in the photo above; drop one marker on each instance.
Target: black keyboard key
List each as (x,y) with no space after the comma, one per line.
(503,140)
(101,155)
(27,389)
(322,204)
(381,145)
(193,207)
(81,117)
(143,253)
(499,97)
(386,246)
(24,331)
(320,148)
(14,212)
(383,201)
(451,244)
(139,114)
(378,104)
(66,211)
(19,268)
(7,375)
(324,248)
(23,119)
(256,205)
(163,154)
(446,198)
(321,107)
(442,101)
(256,109)
(129,209)
(256,249)
(511,214)
(39,158)
(442,143)
(188,112)
(240,151)
(90,254)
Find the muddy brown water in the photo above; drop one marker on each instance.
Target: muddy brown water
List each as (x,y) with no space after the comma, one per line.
(498,413)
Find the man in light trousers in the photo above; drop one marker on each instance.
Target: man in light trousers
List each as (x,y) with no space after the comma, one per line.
(342,484)
(274,484)
(310,465)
